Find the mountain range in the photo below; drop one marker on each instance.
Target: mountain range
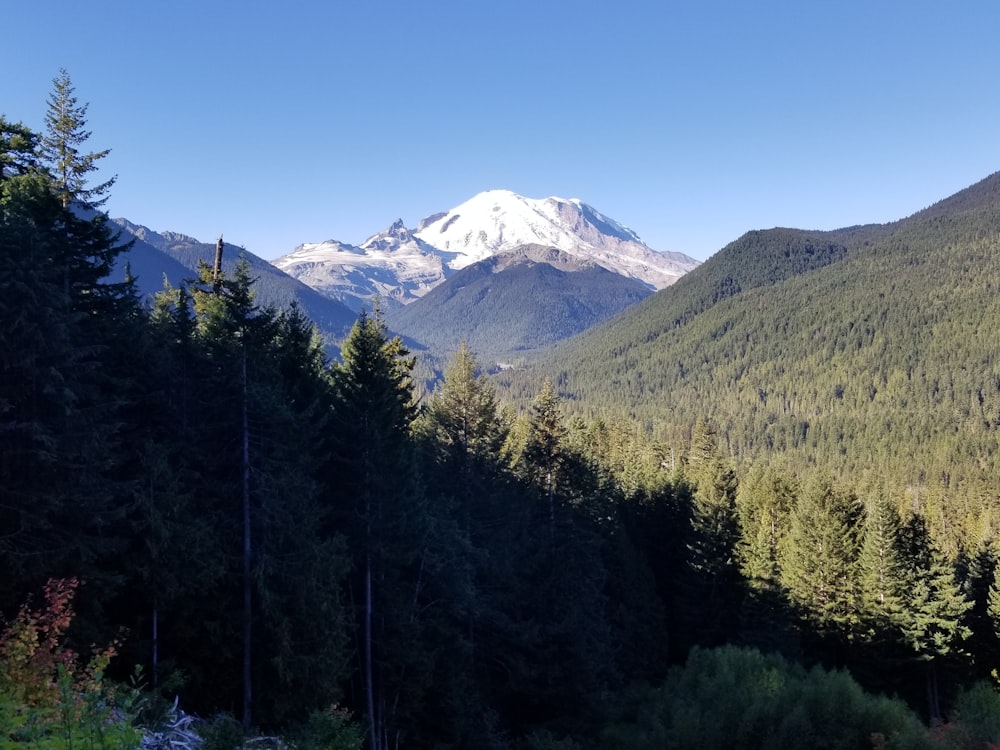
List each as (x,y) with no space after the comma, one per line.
(869,348)
(155,258)
(507,273)
(400,265)
(515,301)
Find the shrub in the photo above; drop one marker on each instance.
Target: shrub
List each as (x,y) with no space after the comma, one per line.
(49,697)
(739,698)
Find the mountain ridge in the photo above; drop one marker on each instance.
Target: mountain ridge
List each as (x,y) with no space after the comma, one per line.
(400,265)
(515,301)
(173,257)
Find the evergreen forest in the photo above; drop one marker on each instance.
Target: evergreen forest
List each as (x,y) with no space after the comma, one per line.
(212,531)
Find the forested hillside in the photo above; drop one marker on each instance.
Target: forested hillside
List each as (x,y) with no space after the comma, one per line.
(281,544)
(870,350)
(515,301)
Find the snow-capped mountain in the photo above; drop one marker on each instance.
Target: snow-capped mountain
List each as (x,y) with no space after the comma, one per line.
(393,265)
(400,265)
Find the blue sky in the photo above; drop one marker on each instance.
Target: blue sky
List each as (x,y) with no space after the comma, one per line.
(690,122)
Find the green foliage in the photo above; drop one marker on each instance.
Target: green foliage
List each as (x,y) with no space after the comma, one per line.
(58,375)
(764,503)
(722,465)
(65,133)
(329,729)
(975,719)
(222,732)
(936,607)
(272,288)
(867,351)
(49,698)
(18,149)
(730,697)
(818,557)
(882,573)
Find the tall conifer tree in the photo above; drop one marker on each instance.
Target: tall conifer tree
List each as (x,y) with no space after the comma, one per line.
(65,135)
(380,505)
(819,557)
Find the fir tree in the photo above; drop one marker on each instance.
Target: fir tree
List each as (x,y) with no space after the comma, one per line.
(764,504)
(819,556)
(380,505)
(18,149)
(709,590)
(933,623)
(544,458)
(65,136)
(881,569)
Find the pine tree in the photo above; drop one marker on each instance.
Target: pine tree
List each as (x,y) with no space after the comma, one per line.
(819,555)
(461,432)
(560,654)
(58,401)
(18,149)
(379,504)
(976,573)
(881,569)
(544,458)
(709,590)
(65,135)
(714,521)
(248,392)
(463,418)
(764,504)
(933,623)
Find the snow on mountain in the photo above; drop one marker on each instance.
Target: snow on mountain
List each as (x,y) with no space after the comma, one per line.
(393,265)
(400,265)
(499,220)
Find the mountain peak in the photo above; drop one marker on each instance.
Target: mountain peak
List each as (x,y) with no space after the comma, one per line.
(498,220)
(159,240)
(389,239)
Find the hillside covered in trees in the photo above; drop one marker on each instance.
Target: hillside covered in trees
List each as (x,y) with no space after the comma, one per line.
(527,298)
(301,546)
(868,351)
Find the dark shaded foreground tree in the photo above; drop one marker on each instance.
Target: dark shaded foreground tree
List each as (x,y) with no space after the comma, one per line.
(461,433)
(709,587)
(819,556)
(377,499)
(234,595)
(59,410)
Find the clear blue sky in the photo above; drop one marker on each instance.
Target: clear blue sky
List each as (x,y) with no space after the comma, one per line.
(690,122)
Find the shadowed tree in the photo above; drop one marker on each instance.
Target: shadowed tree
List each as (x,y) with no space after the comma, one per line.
(378,501)
(764,504)
(709,590)
(882,579)
(933,622)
